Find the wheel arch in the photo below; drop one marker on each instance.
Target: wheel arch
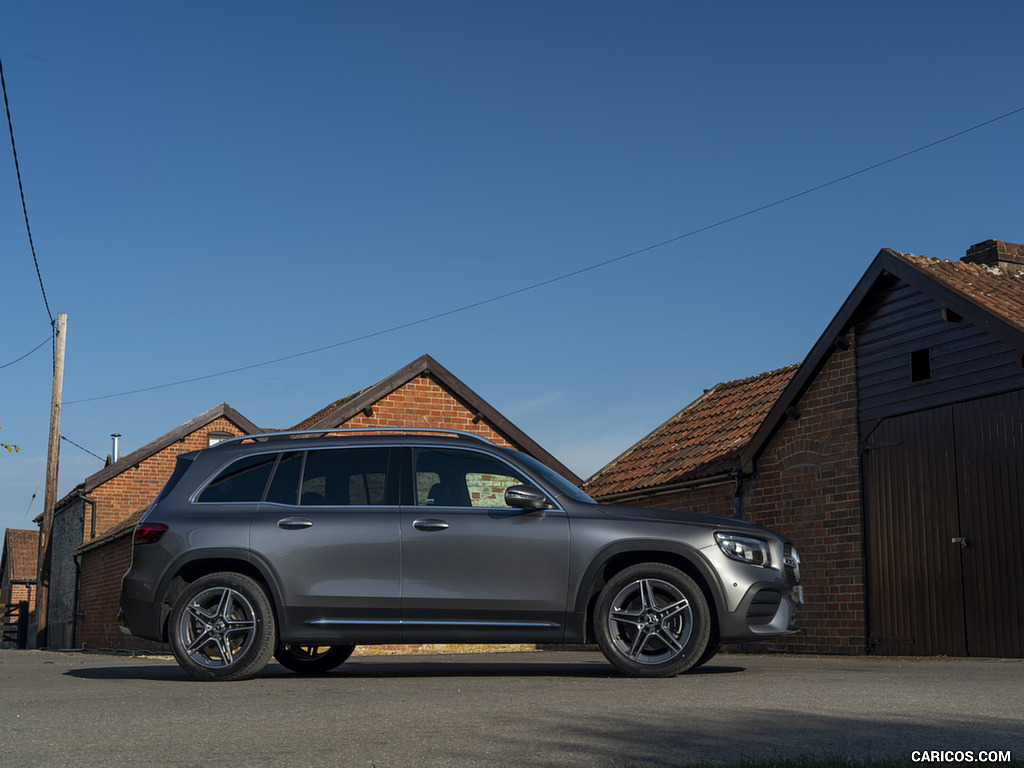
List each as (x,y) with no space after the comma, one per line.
(199,563)
(622,555)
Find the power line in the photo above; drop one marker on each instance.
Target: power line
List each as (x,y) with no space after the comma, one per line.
(21,189)
(66,440)
(566,275)
(41,344)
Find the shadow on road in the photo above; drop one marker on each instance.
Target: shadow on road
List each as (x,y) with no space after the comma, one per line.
(412,667)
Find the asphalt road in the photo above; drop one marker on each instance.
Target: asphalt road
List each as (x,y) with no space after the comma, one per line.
(519,709)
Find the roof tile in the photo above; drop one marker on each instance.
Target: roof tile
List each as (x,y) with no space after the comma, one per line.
(702,440)
(22,553)
(997,290)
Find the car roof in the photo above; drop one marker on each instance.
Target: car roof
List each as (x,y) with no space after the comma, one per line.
(319,438)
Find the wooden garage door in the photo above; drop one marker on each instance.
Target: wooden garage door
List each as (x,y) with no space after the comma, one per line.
(943,495)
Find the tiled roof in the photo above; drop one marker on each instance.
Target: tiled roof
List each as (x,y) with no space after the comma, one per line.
(702,440)
(22,550)
(998,290)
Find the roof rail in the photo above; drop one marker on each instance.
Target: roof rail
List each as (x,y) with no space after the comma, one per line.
(265,436)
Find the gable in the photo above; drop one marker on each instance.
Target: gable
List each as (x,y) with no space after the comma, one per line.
(133,482)
(426,394)
(914,353)
(989,298)
(220,418)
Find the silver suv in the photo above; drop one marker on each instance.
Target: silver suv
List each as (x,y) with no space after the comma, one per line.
(302,545)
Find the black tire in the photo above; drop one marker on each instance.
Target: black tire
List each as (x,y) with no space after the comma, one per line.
(652,620)
(709,653)
(312,659)
(222,628)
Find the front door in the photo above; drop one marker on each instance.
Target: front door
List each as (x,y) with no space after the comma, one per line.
(473,569)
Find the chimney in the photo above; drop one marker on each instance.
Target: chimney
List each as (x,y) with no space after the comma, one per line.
(116,438)
(996,253)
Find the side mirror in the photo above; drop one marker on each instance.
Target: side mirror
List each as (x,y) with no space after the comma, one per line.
(526,497)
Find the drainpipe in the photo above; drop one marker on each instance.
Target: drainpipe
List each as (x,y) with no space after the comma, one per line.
(737,496)
(78,568)
(74,612)
(87,500)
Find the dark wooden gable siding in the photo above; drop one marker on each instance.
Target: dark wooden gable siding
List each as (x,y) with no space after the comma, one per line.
(965,361)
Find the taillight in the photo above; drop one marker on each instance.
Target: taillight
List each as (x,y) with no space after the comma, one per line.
(148,533)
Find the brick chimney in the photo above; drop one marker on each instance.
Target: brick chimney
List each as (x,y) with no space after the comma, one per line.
(996,253)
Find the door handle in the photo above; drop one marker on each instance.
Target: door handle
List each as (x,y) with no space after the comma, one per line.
(961,540)
(430,524)
(294,523)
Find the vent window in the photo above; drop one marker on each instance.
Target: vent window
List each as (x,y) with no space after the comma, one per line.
(921,365)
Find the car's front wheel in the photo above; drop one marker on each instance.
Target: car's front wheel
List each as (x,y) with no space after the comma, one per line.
(312,659)
(652,620)
(222,628)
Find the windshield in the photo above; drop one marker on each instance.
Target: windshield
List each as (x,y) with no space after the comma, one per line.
(552,478)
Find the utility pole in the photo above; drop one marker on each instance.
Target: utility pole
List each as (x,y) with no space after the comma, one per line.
(50,495)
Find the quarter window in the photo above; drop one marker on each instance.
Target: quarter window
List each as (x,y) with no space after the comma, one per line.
(241,481)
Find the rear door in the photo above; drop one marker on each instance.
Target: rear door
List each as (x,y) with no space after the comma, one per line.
(329,529)
(475,570)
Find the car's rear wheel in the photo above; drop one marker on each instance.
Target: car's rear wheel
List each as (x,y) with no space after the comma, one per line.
(652,620)
(312,659)
(222,628)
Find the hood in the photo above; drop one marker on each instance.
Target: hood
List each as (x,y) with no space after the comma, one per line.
(674,516)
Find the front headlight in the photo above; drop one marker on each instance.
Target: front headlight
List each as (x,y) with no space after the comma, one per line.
(744,548)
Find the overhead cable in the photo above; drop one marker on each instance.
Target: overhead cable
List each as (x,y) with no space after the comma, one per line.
(564,276)
(21,189)
(41,344)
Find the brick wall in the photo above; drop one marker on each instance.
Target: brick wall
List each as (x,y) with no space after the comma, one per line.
(710,499)
(807,487)
(423,402)
(102,569)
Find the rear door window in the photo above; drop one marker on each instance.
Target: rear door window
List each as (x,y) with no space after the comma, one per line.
(340,477)
(284,488)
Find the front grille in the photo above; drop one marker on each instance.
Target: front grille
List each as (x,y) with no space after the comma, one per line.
(791,563)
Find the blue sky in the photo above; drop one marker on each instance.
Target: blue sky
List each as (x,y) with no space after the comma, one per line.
(215,185)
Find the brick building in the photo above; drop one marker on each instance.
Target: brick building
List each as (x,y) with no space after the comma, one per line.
(422,394)
(893,456)
(81,590)
(18,566)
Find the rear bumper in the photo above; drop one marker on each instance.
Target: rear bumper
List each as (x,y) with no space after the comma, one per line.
(142,618)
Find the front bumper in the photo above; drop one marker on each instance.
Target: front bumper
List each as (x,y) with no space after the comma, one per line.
(768,609)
